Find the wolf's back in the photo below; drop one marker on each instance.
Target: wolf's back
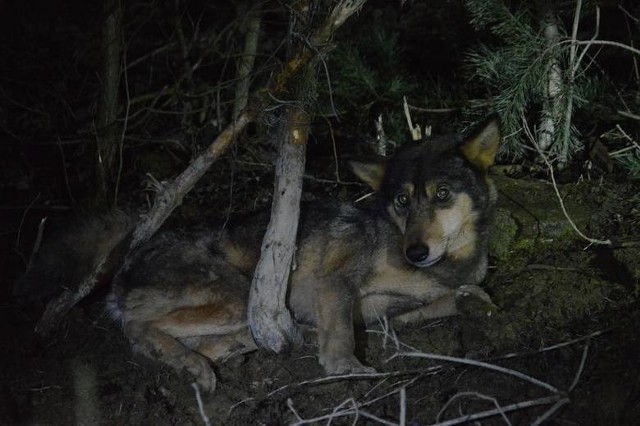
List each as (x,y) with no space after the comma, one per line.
(72,253)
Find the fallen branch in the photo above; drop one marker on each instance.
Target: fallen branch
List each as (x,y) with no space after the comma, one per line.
(552,347)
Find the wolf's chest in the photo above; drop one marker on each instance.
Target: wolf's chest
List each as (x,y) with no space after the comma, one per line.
(395,287)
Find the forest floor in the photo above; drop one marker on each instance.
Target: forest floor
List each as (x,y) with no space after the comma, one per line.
(563,345)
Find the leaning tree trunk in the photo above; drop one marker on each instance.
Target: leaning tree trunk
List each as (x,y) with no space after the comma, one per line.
(107,134)
(270,321)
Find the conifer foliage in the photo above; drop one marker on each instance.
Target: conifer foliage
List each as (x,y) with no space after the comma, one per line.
(369,78)
(526,73)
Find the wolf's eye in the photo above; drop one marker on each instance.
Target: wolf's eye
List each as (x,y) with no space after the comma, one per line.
(443,193)
(402,200)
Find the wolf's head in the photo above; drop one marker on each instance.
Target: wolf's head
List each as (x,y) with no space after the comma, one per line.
(438,193)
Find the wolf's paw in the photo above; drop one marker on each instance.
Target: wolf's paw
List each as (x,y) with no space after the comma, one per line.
(201,370)
(335,366)
(472,301)
(208,381)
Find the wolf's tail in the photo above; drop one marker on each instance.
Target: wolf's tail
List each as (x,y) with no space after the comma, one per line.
(72,253)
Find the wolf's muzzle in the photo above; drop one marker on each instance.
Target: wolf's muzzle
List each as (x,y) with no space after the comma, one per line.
(417,253)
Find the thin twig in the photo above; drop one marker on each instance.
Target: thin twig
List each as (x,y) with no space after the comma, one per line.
(335,151)
(433,110)
(629,115)
(124,128)
(354,411)
(629,15)
(609,43)
(416,132)
(507,408)
(479,364)
(388,333)
(403,406)
(65,173)
(552,347)
(293,409)
(22,219)
(629,138)
(547,414)
(38,241)
(331,379)
(576,379)
(476,395)
(404,384)
(203,415)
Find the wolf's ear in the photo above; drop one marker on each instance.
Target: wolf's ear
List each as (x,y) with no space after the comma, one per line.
(480,148)
(370,172)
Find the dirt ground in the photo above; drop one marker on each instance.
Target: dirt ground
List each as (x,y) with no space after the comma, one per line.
(562,346)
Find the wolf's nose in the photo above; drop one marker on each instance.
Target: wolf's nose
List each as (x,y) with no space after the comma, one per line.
(417,253)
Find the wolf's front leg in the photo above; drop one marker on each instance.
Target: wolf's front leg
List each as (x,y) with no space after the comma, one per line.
(469,300)
(336,338)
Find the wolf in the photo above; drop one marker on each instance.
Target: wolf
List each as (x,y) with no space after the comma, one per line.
(409,255)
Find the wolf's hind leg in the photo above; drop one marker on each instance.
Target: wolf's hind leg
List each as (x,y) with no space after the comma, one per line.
(151,341)
(222,348)
(174,337)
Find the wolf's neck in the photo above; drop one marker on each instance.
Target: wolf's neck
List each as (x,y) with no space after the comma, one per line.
(472,268)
